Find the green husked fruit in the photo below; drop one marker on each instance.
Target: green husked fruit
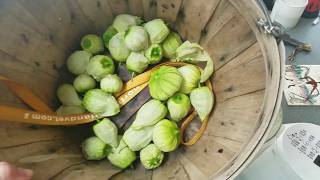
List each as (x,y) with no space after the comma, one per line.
(136,38)
(202,99)
(151,156)
(111,83)
(157,30)
(194,53)
(122,22)
(170,45)
(178,106)
(83,83)
(68,96)
(137,62)
(100,66)
(78,61)
(117,47)
(149,114)
(154,53)
(107,131)
(68,110)
(191,78)
(99,102)
(208,70)
(108,34)
(136,139)
(164,82)
(94,149)
(166,135)
(122,156)
(92,43)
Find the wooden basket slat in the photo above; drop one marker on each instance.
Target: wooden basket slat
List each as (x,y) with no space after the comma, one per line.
(119,6)
(29,46)
(222,15)
(41,83)
(99,13)
(232,38)
(56,14)
(149,9)
(193,17)
(168,10)
(136,7)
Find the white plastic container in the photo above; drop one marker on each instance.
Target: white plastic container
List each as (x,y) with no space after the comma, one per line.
(288,12)
(294,155)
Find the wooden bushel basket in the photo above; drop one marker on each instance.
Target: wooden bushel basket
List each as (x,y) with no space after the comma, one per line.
(36,37)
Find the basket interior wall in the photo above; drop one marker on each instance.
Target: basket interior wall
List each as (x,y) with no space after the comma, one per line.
(37,36)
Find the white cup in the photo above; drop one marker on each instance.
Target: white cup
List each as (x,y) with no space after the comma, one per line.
(288,12)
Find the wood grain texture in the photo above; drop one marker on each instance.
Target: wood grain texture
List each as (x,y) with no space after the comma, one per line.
(224,137)
(119,6)
(168,10)
(172,169)
(223,14)
(273,92)
(38,35)
(241,75)
(36,147)
(22,15)
(149,9)
(19,135)
(42,83)
(99,13)
(10,99)
(137,172)
(227,35)
(88,170)
(55,14)
(28,46)
(136,7)
(193,17)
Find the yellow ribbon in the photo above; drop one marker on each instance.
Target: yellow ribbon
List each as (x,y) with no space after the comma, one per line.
(45,116)
(188,120)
